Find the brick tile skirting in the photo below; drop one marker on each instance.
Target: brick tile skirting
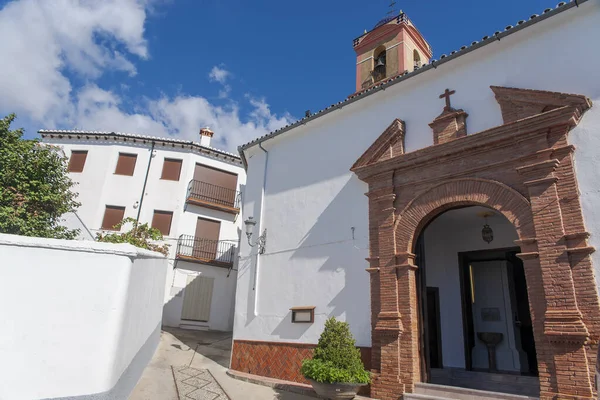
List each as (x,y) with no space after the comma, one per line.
(278,384)
(276,359)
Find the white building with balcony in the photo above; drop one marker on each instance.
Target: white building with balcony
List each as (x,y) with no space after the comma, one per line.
(188,190)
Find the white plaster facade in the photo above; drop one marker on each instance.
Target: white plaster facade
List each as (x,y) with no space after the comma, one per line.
(80,319)
(315,210)
(98,186)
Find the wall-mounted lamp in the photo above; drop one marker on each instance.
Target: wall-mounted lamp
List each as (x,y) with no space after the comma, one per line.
(261,241)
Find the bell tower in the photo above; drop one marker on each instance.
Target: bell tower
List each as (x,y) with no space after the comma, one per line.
(392,47)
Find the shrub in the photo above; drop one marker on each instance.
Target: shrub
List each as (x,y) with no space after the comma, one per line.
(140,236)
(336,358)
(35,188)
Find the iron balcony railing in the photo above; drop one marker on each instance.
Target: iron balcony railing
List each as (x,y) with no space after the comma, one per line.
(209,193)
(206,250)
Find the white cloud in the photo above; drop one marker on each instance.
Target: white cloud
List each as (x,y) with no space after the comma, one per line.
(219,74)
(45,43)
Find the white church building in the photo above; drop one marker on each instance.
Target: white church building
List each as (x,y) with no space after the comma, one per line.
(448,211)
(188,190)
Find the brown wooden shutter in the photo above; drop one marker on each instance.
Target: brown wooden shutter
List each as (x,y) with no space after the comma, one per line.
(208,229)
(126,164)
(112,216)
(215,176)
(162,221)
(206,239)
(77,161)
(215,184)
(171,169)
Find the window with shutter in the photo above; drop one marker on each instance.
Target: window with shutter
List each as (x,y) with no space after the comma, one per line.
(171,169)
(126,164)
(77,160)
(113,215)
(162,221)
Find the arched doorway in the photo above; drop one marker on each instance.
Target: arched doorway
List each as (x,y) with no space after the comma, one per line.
(471,287)
(533,186)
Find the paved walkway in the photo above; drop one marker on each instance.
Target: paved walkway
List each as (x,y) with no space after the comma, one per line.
(197,384)
(185,355)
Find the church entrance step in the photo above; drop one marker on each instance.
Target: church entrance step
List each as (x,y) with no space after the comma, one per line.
(415,396)
(459,393)
(506,383)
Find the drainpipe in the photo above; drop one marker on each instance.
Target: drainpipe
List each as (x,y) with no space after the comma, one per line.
(260,227)
(137,219)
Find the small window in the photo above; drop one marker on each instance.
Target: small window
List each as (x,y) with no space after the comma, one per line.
(113,215)
(162,221)
(303,315)
(77,160)
(171,169)
(126,164)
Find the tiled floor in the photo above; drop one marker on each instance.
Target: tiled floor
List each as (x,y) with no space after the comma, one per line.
(197,384)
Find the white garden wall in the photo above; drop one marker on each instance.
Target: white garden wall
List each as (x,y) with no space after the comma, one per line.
(80,320)
(312,201)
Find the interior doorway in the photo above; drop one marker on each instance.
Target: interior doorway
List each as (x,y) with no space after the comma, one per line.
(474,306)
(495,299)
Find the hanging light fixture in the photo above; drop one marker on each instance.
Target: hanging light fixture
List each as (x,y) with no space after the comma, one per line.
(487,234)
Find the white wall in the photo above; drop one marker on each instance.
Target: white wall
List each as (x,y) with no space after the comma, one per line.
(98,186)
(312,199)
(222,300)
(451,233)
(80,319)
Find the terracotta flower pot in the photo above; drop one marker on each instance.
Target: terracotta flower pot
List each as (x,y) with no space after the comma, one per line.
(335,391)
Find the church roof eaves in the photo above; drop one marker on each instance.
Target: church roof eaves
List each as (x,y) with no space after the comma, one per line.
(133,136)
(509,30)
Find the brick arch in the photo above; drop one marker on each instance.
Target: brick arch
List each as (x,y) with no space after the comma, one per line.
(462,192)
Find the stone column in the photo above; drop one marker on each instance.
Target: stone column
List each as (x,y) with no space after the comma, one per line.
(564,333)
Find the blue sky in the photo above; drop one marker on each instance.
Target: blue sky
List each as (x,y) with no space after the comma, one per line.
(243,68)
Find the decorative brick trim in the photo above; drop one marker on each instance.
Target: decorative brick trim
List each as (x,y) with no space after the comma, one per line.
(522,103)
(450,125)
(389,144)
(278,360)
(534,186)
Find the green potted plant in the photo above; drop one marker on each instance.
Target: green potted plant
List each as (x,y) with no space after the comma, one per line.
(336,370)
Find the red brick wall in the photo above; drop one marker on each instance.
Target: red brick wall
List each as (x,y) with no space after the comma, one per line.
(277,360)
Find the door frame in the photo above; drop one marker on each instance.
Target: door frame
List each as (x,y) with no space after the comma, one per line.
(464,261)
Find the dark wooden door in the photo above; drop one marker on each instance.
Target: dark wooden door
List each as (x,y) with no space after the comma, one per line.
(423,315)
(522,319)
(434,332)
(206,239)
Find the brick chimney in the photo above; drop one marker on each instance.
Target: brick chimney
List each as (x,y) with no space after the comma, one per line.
(205,135)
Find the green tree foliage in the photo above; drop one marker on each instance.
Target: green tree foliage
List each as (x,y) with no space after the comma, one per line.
(336,358)
(35,189)
(139,236)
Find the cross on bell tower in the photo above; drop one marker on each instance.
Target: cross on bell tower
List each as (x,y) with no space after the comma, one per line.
(392,10)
